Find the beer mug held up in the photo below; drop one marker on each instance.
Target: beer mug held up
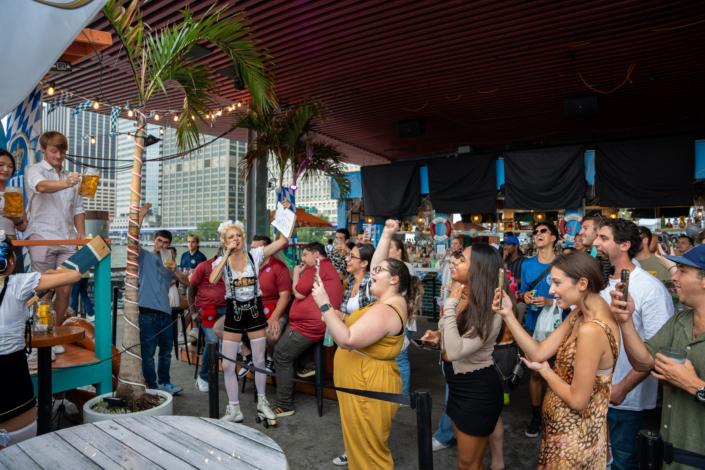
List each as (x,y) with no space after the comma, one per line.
(89,183)
(14,202)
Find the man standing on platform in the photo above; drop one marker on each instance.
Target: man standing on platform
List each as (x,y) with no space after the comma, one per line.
(155,311)
(648,260)
(633,393)
(54,208)
(535,276)
(305,326)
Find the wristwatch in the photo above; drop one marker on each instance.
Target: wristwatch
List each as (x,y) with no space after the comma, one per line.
(700,395)
(325,307)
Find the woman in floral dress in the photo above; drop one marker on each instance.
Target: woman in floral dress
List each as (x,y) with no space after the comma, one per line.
(586,346)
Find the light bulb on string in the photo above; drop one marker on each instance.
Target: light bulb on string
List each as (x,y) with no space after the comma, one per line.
(51,89)
(156,117)
(239,104)
(92,140)
(130,113)
(129,136)
(219,112)
(161,130)
(96,105)
(176,118)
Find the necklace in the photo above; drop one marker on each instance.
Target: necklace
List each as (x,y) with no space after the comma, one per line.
(232,267)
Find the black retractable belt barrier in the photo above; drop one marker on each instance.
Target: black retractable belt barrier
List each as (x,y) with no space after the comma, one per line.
(653,452)
(419,401)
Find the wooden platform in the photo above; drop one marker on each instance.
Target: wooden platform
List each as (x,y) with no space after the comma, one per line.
(304,388)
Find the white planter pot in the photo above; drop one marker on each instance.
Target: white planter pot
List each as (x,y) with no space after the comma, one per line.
(165,409)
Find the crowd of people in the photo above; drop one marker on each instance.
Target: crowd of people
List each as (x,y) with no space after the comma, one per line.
(561,315)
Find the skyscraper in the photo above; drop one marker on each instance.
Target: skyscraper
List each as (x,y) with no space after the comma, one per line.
(78,130)
(203,185)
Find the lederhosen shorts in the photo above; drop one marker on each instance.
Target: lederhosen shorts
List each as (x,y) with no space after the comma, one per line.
(241,317)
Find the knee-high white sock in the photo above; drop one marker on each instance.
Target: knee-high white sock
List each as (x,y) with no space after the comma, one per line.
(259,351)
(229,376)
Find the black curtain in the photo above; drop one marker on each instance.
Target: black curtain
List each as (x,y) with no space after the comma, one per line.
(463,185)
(544,179)
(391,190)
(645,173)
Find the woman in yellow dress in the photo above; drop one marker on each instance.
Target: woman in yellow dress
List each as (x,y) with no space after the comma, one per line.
(368,341)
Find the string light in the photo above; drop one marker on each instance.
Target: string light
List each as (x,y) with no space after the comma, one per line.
(92,140)
(96,105)
(130,113)
(156,117)
(51,90)
(161,130)
(193,117)
(176,118)
(239,104)
(219,113)
(129,136)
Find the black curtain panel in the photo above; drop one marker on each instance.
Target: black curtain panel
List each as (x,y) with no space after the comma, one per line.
(544,179)
(391,190)
(645,173)
(463,185)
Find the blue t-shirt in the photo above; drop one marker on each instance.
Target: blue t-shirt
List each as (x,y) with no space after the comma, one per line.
(530,270)
(155,281)
(189,261)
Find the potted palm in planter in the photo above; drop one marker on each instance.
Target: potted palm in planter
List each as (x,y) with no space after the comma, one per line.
(158,66)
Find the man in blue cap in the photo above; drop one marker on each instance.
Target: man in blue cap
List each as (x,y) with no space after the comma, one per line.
(513,257)
(683,417)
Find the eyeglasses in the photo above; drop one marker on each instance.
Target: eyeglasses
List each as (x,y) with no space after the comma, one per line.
(540,230)
(351,256)
(377,269)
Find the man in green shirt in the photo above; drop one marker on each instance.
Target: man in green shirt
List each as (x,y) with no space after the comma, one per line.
(647,260)
(683,418)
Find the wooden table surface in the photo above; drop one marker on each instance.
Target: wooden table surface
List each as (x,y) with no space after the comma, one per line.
(61,335)
(150,443)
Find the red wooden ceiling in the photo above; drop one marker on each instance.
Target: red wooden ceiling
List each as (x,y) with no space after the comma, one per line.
(483,73)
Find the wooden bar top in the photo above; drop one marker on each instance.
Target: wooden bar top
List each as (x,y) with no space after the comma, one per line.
(53,242)
(61,335)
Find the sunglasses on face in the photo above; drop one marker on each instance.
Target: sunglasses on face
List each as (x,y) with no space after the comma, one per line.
(377,269)
(540,230)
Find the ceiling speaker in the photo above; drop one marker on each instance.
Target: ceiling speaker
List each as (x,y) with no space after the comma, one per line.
(410,128)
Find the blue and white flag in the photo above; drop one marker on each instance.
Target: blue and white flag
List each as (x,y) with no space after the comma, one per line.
(85,105)
(60,100)
(114,116)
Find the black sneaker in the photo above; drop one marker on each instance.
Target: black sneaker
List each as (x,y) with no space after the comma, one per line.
(269,364)
(244,370)
(534,428)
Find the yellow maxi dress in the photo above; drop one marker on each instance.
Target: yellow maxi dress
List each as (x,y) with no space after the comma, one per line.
(367,422)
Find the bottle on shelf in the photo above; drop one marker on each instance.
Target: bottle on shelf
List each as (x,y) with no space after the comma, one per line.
(663,222)
(669,224)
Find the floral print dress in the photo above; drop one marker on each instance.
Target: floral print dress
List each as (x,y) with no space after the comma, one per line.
(571,439)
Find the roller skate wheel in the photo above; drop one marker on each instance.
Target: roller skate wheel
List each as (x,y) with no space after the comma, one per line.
(266,423)
(258,420)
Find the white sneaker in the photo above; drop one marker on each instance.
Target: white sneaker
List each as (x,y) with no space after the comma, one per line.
(436,444)
(342,460)
(53,355)
(233,414)
(192,335)
(201,385)
(58,349)
(264,409)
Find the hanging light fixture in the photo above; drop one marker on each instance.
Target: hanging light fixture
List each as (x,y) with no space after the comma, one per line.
(370,220)
(51,89)
(476,218)
(540,216)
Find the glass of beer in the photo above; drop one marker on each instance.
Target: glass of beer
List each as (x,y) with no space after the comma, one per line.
(89,183)
(14,202)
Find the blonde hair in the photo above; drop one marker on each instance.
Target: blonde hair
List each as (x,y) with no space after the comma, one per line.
(226,229)
(55,139)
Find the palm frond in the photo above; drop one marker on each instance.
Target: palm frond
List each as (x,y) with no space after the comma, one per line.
(130,35)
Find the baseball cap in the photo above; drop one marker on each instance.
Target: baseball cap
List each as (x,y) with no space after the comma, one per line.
(694,257)
(511,241)
(208,316)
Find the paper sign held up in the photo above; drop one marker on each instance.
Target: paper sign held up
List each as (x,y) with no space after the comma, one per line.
(284,220)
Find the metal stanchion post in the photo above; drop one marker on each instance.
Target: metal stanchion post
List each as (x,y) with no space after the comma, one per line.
(423,428)
(213,381)
(116,292)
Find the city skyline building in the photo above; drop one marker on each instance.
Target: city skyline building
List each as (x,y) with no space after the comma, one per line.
(78,130)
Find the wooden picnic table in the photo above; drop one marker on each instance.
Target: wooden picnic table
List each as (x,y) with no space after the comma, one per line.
(150,443)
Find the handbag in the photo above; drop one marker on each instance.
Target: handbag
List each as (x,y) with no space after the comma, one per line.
(174,300)
(517,373)
(548,321)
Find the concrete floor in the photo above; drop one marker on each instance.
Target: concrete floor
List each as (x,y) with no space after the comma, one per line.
(311,442)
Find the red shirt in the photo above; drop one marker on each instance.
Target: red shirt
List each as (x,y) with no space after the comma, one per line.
(305,316)
(273,279)
(200,278)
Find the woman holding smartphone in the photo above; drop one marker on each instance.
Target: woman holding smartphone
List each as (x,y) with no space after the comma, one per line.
(467,338)
(369,340)
(586,346)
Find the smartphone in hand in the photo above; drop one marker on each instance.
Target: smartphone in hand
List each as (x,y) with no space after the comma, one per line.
(625,287)
(427,345)
(318,270)
(501,286)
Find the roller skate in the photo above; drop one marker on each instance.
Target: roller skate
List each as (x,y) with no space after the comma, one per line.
(264,412)
(233,414)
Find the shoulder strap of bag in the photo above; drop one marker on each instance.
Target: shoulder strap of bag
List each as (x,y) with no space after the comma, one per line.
(541,276)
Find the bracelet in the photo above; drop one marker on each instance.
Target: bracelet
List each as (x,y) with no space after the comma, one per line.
(17,225)
(345,317)
(669,269)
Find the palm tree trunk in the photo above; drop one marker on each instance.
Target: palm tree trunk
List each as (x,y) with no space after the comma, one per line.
(130,380)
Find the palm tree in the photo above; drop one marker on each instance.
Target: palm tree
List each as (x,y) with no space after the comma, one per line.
(289,136)
(157,63)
